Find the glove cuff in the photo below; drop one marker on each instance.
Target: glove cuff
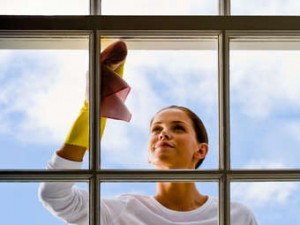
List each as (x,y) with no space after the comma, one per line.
(79,132)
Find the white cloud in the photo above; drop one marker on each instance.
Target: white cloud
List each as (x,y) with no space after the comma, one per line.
(293,129)
(46,97)
(264,164)
(184,74)
(122,147)
(264,82)
(262,194)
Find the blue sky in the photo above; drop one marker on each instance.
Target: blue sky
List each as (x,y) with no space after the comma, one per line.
(41,92)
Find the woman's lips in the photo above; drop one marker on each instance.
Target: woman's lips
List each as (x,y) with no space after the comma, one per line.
(164,145)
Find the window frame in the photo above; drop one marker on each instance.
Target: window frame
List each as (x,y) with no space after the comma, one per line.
(224,27)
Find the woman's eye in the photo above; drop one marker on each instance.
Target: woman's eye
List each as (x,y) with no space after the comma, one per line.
(155,129)
(179,128)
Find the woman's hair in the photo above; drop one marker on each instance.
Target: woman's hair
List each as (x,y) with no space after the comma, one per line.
(200,130)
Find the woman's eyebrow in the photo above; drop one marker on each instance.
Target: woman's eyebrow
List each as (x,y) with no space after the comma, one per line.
(175,121)
(155,123)
(178,122)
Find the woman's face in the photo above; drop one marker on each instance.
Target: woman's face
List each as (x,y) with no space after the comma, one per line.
(172,142)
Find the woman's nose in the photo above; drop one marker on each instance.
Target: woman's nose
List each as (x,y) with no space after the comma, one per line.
(164,135)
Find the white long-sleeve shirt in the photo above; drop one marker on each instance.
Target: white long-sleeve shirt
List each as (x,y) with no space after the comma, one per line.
(70,203)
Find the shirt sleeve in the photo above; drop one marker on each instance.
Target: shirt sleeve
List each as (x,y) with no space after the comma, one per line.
(63,199)
(241,214)
(252,219)
(112,209)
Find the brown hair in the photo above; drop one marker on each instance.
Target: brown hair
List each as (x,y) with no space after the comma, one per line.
(200,130)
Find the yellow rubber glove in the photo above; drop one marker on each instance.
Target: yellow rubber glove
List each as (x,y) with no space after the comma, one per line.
(79,132)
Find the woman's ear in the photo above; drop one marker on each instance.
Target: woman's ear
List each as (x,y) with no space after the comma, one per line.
(202,151)
(148,159)
(149,156)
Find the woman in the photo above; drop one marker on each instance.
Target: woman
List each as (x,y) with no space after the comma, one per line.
(178,140)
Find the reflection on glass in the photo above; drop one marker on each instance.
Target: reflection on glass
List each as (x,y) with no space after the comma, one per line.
(41,94)
(272,202)
(20,204)
(266,7)
(48,7)
(159,78)
(265,108)
(159,7)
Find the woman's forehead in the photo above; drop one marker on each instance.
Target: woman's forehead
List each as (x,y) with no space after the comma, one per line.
(172,114)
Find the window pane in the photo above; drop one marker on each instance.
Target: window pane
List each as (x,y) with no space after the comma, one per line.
(163,73)
(141,204)
(41,93)
(20,204)
(265,107)
(159,7)
(266,7)
(272,202)
(45,7)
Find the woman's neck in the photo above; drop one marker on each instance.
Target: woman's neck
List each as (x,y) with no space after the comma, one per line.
(179,196)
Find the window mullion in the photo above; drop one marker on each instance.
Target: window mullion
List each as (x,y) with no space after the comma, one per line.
(95,7)
(224,7)
(94,201)
(94,126)
(224,128)
(224,200)
(224,107)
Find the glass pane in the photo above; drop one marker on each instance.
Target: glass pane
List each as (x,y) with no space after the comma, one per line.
(271,202)
(45,7)
(265,107)
(265,7)
(41,93)
(20,204)
(163,73)
(160,7)
(142,204)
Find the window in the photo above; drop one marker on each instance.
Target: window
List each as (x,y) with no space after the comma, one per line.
(163,72)
(249,73)
(264,102)
(33,117)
